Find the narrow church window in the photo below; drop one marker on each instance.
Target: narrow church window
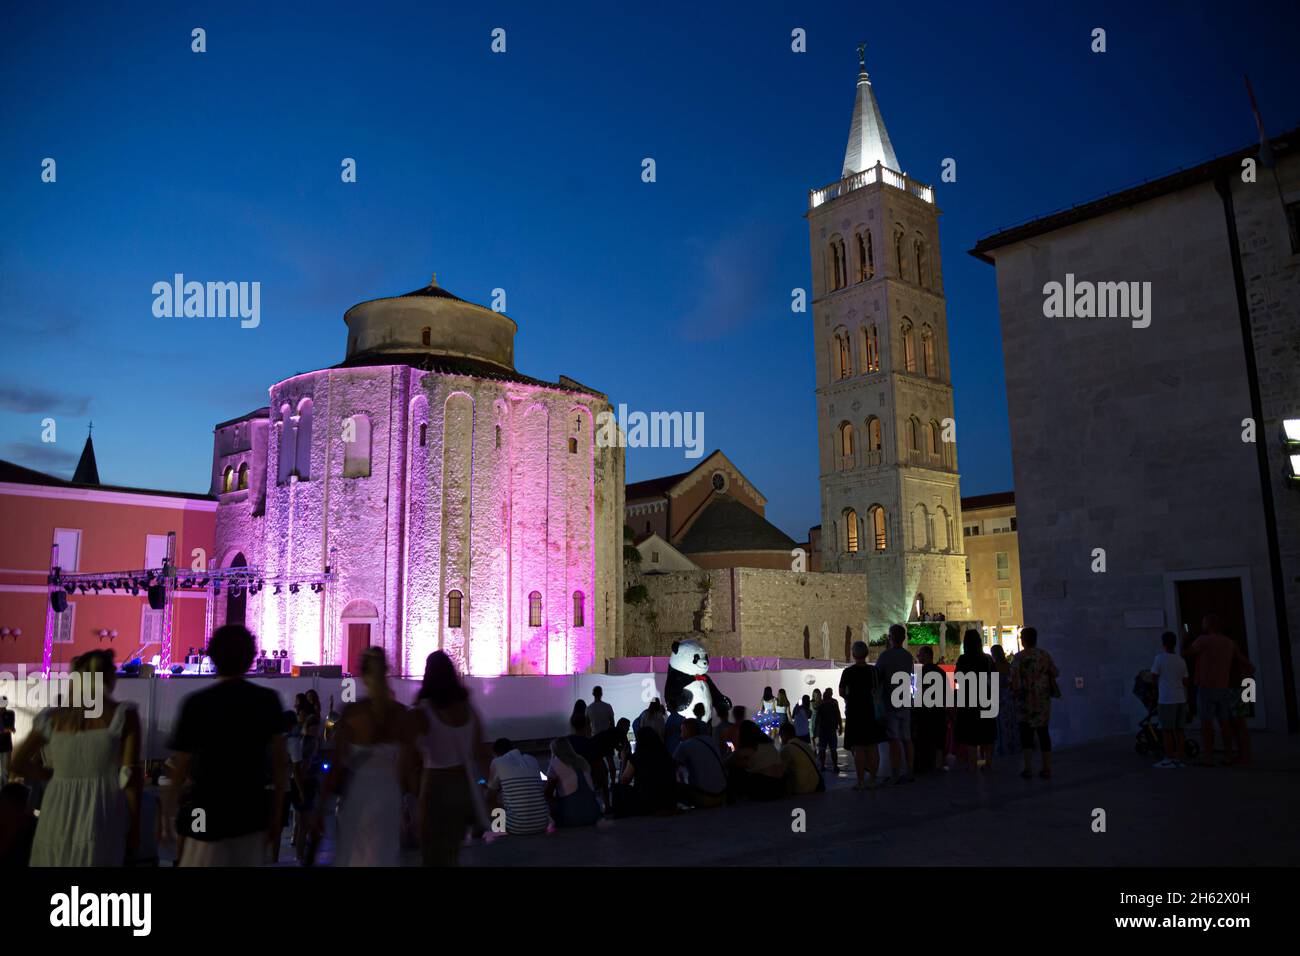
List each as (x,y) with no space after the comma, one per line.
(287,445)
(453,609)
(243,477)
(919,248)
(535,609)
(909,347)
(228,480)
(498,436)
(850,531)
(573,446)
(932,433)
(424,434)
(877,515)
(873,349)
(845,354)
(356,452)
(927,350)
(577,609)
(302,441)
(898,252)
(426,336)
(913,434)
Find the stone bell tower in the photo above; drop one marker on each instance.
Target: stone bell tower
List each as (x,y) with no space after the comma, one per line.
(890,494)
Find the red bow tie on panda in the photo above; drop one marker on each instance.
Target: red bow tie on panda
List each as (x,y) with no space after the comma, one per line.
(700,677)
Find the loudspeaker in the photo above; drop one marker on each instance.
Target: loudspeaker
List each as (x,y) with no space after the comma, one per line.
(59,600)
(157,597)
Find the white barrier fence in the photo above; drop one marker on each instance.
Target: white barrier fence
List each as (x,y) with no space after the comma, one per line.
(532,707)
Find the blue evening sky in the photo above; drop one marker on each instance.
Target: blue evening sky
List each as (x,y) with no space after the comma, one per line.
(522,171)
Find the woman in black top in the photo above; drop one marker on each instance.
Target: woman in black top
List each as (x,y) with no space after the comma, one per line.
(971,728)
(648,783)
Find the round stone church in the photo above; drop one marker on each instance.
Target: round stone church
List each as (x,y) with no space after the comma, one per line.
(443,499)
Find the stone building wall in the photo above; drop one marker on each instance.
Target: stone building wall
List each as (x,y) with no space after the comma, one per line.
(1130,440)
(747,612)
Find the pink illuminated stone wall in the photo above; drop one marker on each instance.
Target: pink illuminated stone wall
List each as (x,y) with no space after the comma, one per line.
(474,486)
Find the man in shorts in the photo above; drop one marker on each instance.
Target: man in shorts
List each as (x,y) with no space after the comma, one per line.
(1169,671)
(898,720)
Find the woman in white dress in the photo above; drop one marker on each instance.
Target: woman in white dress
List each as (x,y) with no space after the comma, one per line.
(90,812)
(367,771)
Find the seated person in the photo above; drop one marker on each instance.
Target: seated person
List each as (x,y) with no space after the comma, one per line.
(515,784)
(755,769)
(648,783)
(799,761)
(706,778)
(569,786)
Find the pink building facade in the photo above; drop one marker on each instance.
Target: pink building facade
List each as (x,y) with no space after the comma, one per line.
(434,497)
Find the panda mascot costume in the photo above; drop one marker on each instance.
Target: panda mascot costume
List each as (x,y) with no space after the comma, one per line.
(689,683)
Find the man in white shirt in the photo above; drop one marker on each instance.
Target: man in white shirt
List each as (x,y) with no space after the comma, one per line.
(515,784)
(599,714)
(1170,674)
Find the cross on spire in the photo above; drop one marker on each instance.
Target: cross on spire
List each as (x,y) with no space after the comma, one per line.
(862,54)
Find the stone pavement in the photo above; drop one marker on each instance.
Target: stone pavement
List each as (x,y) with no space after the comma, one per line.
(1186,817)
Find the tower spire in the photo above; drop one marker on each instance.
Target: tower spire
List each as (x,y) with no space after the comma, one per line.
(868,141)
(87,472)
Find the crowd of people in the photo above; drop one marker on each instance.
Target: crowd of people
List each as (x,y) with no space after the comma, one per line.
(242,770)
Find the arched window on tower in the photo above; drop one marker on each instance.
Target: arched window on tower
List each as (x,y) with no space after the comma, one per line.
(875,441)
(866,266)
(844,354)
(424,434)
(578,601)
(356,447)
(846,446)
(927,351)
(932,439)
(909,347)
(878,533)
(242,484)
(918,248)
(871,349)
(942,529)
(426,336)
(920,528)
(914,434)
(535,609)
(453,608)
(850,531)
(228,480)
(898,252)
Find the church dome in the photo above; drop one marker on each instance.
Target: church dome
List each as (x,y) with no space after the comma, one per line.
(429,322)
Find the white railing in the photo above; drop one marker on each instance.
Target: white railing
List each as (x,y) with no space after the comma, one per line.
(876,173)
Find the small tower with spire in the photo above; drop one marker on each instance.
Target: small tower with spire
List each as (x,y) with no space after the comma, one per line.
(87,472)
(891,497)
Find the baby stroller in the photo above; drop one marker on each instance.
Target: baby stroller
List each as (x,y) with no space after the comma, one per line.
(1150,740)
